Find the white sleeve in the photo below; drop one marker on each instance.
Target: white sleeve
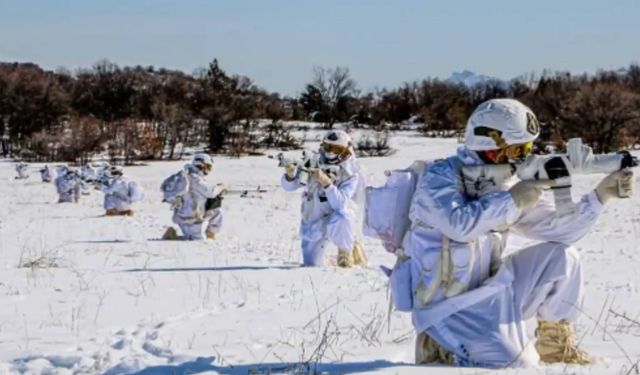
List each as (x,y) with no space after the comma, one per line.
(340,195)
(542,222)
(200,188)
(439,204)
(107,189)
(290,185)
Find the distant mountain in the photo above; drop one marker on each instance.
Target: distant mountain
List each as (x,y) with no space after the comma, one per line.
(469,78)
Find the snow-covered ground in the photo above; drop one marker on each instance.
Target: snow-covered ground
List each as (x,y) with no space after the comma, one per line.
(103,295)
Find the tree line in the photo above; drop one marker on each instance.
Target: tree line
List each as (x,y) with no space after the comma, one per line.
(134,113)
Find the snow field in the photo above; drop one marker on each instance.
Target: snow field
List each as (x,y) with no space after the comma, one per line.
(86,294)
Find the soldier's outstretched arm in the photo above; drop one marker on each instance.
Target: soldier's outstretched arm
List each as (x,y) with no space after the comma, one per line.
(439,203)
(200,188)
(543,223)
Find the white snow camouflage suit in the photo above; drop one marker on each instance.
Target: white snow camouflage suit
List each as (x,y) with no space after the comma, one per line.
(21,169)
(68,187)
(120,193)
(327,214)
(88,173)
(484,324)
(47,174)
(190,214)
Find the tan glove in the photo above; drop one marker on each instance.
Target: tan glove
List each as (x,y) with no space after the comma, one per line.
(290,170)
(322,178)
(617,185)
(526,193)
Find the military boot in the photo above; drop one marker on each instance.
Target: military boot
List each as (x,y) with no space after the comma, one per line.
(556,343)
(359,257)
(170,234)
(429,351)
(345,258)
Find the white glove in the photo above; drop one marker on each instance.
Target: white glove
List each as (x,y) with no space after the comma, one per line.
(526,193)
(322,178)
(618,184)
(219,189)
(290,170)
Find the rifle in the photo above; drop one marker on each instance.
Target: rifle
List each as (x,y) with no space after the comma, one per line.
(99,181)
(579,159)
(245,192)
(216,202)
(307,163)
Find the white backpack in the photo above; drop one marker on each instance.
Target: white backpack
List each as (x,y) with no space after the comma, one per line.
(386,214)
(174,187)
(136,193)
(387,218)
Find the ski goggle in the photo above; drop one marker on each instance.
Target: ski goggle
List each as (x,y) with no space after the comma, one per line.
(207,167)
(514,152)
(204,166)
(335,149)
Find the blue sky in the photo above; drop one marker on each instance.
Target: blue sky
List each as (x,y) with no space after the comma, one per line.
(277,42)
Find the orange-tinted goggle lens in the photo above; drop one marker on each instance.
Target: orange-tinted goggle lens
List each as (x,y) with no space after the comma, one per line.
(518,152)
(336,149)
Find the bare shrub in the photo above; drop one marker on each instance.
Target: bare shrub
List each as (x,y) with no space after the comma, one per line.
(602,113)
(309,362)
(82,139)
(133,140)
(278,136)
(376,146)
(43,259)
(244,139)
(76,139)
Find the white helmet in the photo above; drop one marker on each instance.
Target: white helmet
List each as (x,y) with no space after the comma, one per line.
(115,170)
(336,146)
(498,123)
(202,161)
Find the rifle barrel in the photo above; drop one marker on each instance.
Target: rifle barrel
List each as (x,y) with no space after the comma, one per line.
(243,191)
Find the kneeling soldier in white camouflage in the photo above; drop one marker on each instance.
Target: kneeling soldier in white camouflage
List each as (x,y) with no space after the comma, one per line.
(469,308)
(68,185)
(21,169)
(330,180)
(196,206)
(88,173)
(119,192)
(47,174)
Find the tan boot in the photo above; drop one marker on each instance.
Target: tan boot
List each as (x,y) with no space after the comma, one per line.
(111,212)
(429,351)
(126,213)
(359,258)
(345,258)
(170,234)
(210,235)
(556,343)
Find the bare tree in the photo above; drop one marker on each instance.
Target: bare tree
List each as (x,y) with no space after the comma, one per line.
(335,85)
(82,139)
(600,112)
(144,112)
(173,125)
